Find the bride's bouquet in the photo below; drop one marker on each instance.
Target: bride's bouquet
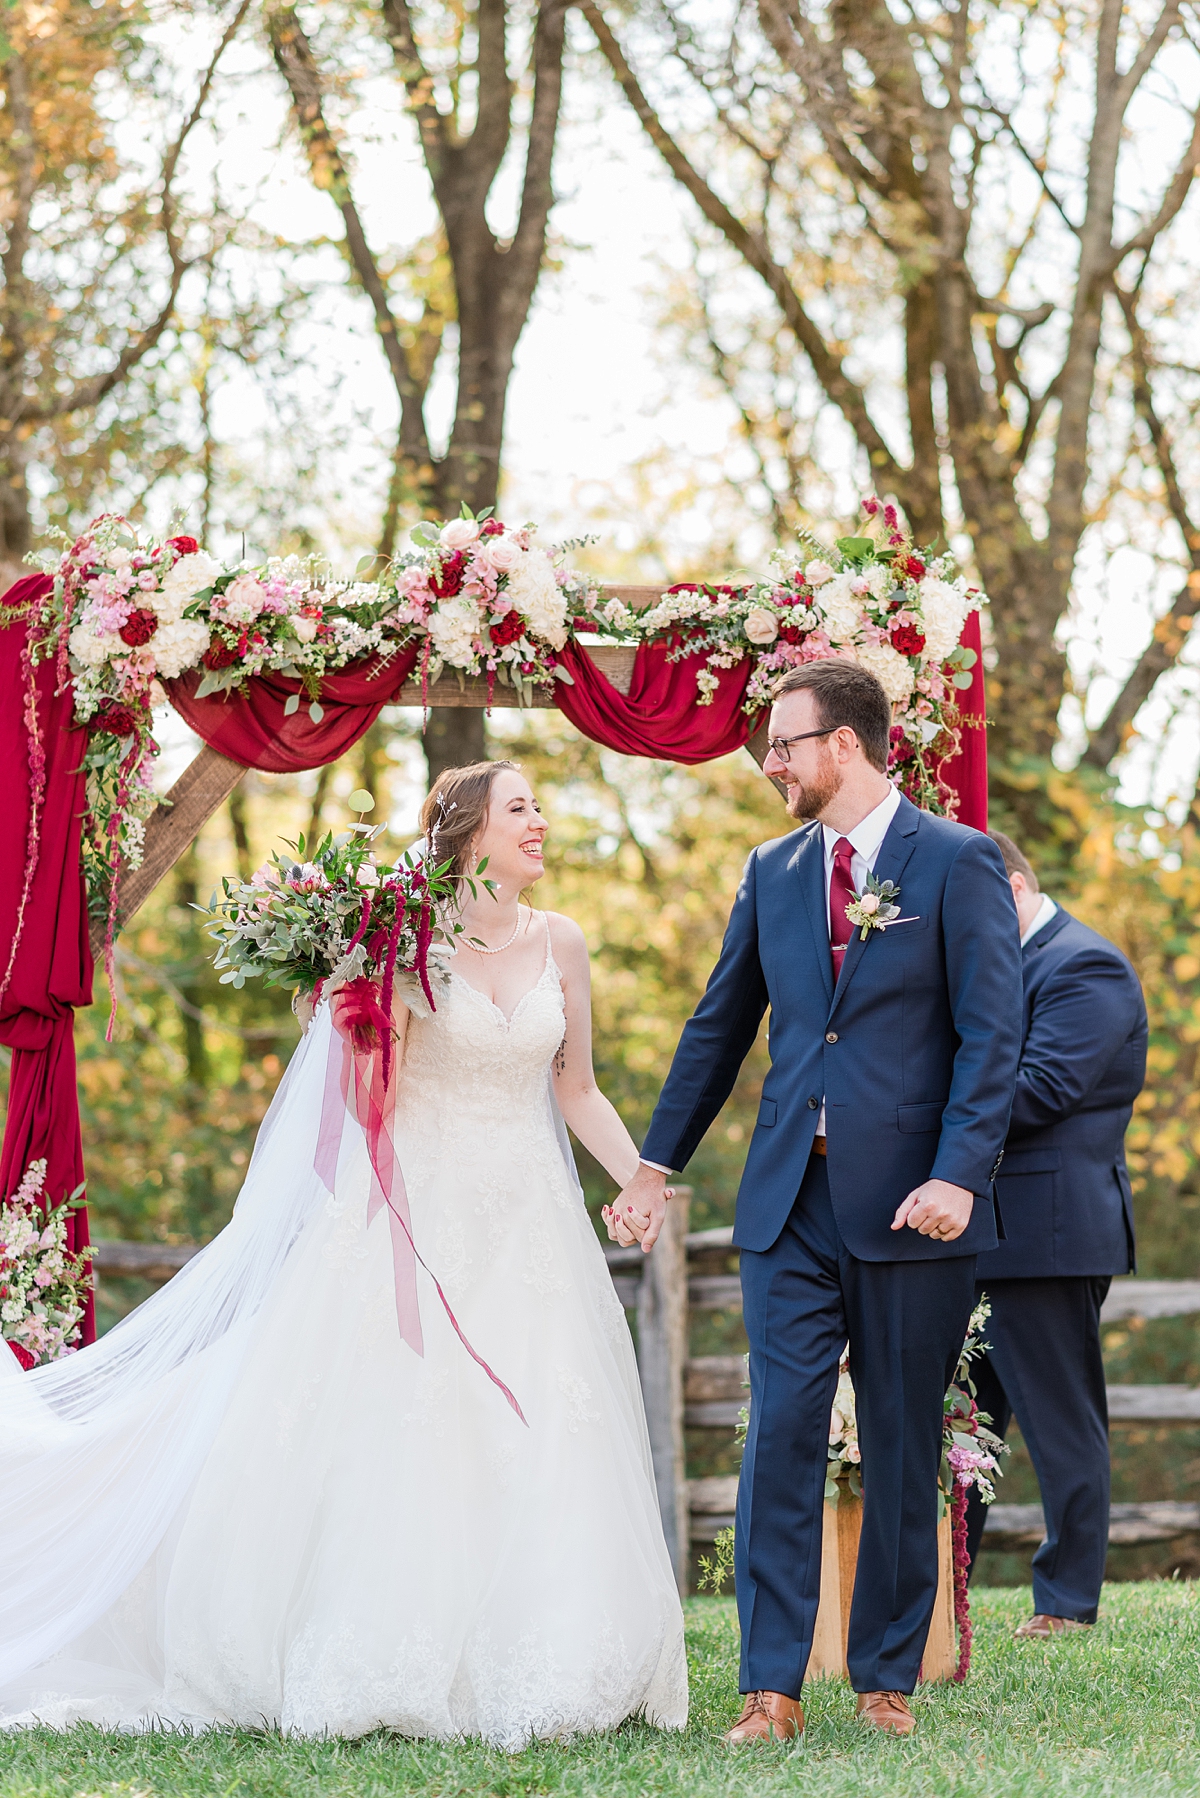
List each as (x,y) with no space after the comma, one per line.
(43,1286)
(334,917)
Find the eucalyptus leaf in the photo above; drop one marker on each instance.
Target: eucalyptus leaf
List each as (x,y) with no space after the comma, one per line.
(292,705)
(316,712)
(963,681)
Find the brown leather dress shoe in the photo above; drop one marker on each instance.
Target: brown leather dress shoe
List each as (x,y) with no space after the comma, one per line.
(767,1717)
(887,1711)
(1041,1627)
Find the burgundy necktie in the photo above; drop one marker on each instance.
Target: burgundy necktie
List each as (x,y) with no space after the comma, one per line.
(841,894)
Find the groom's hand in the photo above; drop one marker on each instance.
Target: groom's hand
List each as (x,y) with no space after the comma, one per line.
(936,1209)
(642,1205)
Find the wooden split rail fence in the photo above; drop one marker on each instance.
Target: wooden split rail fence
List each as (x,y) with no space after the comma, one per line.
(691,1272)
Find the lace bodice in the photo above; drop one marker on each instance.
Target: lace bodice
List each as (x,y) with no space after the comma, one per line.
(470,1058)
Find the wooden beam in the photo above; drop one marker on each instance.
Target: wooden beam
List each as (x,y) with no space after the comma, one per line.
(204,785)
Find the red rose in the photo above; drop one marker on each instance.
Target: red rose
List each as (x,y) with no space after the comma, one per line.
(450,580)
(791,633)
(908,639)
(138,628)
(585,624)
(901,751)
(114,719)
(507,629)
(218,655)
(183,546)
(909,568)
(491,527)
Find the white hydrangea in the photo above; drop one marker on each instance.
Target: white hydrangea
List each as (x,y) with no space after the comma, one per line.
(189,576)
(453,627)
(944,612)
(840,608)
(892,670)
(91,650)
(879,579)
(178,644)
(538,597)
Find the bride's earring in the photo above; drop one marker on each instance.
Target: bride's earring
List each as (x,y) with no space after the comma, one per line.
(474,860)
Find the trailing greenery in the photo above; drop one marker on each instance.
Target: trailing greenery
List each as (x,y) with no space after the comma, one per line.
(1106,1714)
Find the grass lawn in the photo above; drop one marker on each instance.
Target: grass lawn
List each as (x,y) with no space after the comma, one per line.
(1110,1712)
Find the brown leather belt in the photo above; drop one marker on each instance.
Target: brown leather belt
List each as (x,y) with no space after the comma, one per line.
(819,1146)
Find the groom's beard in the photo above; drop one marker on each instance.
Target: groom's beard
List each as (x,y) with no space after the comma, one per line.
(809,801)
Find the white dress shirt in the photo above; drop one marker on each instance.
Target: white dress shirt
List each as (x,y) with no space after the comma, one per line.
(1045,912)
(866,840)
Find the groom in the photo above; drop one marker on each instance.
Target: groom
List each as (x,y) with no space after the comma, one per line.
(867,1191)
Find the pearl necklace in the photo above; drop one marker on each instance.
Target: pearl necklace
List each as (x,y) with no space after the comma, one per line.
(482,948)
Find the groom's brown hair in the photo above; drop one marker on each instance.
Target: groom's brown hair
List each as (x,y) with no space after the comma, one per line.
(845,693)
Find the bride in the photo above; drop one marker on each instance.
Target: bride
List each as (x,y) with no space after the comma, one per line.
(253,1502)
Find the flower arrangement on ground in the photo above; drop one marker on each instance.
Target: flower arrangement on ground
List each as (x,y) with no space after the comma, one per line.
(872,599)
(43,1286)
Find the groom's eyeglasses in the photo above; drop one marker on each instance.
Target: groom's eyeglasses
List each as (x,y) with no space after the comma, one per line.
(782,746)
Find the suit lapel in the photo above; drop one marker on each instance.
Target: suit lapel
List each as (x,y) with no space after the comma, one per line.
(890,863)
(809,864)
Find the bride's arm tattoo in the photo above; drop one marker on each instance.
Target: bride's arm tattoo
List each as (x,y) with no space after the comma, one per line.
(560,1056)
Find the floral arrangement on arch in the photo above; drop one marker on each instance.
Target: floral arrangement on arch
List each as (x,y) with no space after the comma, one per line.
(873,599)
(43,1286)
(127,613)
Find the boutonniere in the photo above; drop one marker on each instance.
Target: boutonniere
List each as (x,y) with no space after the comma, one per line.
(876,908)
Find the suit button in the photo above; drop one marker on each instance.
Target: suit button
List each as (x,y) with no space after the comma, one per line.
(831,1036)
(812,1104)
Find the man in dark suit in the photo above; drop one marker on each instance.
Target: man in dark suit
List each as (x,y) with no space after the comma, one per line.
(867,1191)
(1068,1228)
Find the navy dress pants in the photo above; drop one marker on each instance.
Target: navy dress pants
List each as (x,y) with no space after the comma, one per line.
(1045,1367)
(905,1320)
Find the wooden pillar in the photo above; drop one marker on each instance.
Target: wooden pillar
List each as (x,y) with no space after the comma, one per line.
(662,1320)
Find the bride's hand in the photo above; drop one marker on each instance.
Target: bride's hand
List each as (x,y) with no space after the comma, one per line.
(618,1230)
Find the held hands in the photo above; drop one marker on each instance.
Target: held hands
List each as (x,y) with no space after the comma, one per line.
(936,1209)
(638,1213)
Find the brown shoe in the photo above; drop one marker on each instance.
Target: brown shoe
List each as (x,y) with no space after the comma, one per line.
(767,1717)
(1042,1627)
(887,1711)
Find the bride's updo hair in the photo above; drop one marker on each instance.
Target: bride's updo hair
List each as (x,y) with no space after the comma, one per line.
(455,811)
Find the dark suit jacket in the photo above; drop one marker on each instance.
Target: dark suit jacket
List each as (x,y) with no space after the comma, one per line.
(1064,1189)
(915,1052)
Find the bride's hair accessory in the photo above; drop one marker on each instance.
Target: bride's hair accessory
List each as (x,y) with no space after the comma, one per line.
(455,811)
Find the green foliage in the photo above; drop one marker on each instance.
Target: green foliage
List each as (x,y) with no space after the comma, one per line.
(1106,1713)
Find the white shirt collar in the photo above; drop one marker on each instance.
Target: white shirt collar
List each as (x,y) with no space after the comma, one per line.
(1045,912)
(866,839)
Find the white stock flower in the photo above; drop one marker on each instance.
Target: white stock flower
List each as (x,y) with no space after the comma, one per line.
(536,594)
(189,576)
(893,671)
(841,608)
(879,580)
(458,533)
(453,628)
(761,626)
(943,612)
(91,650)
(178,645)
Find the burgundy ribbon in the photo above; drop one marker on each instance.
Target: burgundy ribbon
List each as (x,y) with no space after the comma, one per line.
(360,1064)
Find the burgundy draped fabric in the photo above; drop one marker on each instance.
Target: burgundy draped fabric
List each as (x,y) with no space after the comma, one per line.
(51,972)
(966,772)
(659,716)
(251,725)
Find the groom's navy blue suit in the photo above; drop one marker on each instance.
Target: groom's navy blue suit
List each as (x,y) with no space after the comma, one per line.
(915,1056)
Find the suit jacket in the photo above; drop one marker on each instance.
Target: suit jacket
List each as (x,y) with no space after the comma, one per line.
(1064,1188)
(915,1052)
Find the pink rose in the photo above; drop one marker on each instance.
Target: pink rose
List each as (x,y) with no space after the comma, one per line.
(242,599)
(458,533)
(817,573)
(305,627)
(761,626)
(501,552)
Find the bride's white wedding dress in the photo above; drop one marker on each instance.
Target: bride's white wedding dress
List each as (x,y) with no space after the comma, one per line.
(252,1503)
